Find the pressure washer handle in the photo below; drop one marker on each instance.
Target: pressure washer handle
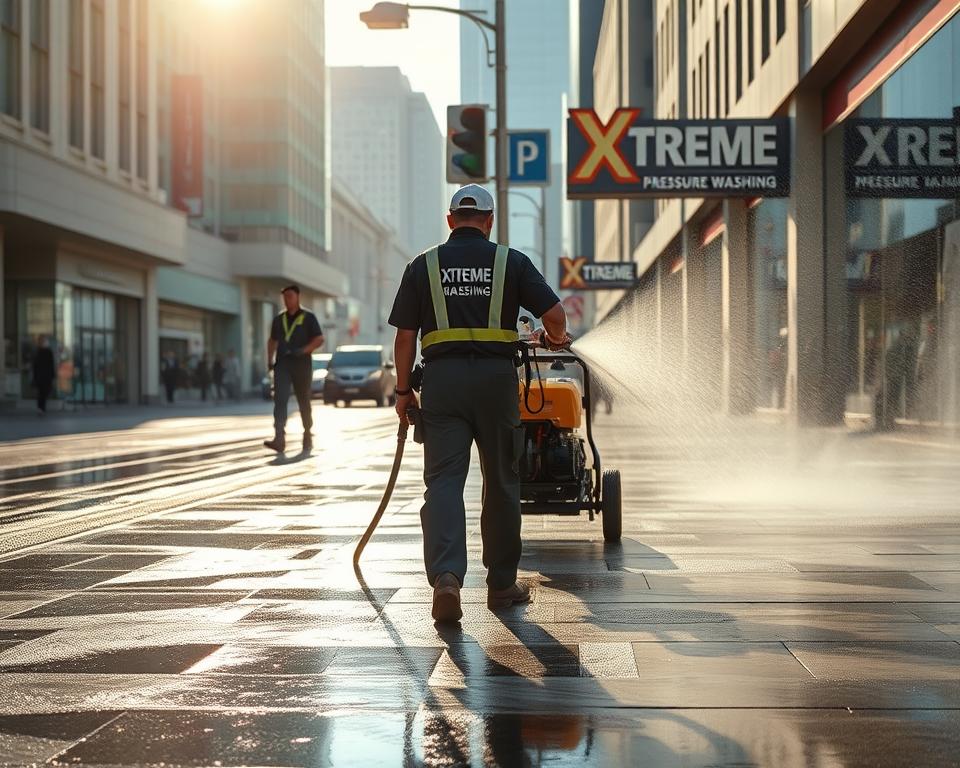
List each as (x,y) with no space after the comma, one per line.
(539,341)
(415,417)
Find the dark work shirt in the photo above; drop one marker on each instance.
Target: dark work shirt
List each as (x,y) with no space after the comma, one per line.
(300,336)
(468,294)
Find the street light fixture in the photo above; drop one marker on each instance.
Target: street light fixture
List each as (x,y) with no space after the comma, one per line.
(387,16)
(396,16)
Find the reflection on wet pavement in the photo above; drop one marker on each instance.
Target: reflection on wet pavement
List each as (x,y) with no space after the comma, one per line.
(234,631)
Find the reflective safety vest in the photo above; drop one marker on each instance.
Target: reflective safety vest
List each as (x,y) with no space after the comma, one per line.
(444,333)
(289,329)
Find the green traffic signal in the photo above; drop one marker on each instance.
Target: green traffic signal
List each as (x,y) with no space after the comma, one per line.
(467,131)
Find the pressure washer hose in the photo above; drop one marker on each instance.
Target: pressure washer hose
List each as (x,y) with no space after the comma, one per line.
(414,416)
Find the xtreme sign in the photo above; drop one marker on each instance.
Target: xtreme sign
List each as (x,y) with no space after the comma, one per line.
(631,157)
(902,157)
(580,274)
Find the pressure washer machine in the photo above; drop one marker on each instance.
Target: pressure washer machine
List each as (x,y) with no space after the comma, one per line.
(560,468)
(558,476)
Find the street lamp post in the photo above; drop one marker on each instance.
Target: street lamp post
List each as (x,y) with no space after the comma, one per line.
(541,216)
(396,16)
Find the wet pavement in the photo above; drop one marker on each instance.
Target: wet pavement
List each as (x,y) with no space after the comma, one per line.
(774,602)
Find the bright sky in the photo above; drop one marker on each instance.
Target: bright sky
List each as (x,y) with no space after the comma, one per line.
(428,53)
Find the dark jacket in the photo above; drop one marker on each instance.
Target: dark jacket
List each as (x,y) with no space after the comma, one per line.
(43,368)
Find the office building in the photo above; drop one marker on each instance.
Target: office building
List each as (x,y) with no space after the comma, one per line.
(839,303)
(389,151)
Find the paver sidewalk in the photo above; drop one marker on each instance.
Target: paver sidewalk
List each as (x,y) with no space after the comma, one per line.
(772,603)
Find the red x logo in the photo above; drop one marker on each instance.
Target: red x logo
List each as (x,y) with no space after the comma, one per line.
(604,149)
(572,273)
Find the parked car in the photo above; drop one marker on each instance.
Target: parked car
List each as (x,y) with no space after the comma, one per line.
(359,372)
(321,362)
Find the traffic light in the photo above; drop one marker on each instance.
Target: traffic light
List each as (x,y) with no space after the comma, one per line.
(466,143)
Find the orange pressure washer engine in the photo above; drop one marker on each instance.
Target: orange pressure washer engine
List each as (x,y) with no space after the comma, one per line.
(553,461)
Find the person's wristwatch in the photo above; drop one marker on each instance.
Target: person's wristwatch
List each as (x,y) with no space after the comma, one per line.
(403,392)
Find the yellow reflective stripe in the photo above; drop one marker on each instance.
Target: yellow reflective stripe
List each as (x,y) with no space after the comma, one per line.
(499,277)
(469,334)
(436,289)
(289,329)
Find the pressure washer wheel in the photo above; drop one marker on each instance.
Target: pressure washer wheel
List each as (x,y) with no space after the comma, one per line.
(611,512)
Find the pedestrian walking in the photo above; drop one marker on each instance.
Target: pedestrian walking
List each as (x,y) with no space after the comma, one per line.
(44,372)
(295,334)
(218,372)
(231,374)
(170,374)
(203,376)
(464,298)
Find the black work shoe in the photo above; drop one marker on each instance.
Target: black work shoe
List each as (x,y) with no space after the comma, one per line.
(504,598)
(446,599)
(277,444)
(307,443)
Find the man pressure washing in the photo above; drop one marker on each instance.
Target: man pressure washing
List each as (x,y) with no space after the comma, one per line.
(464,298)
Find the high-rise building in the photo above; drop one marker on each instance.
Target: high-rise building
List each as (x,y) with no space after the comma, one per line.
(388,150)
(841,302)
(94,256)
(541,84)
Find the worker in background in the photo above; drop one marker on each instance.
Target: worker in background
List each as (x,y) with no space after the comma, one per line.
(44,373)
(464,298)
(295,334)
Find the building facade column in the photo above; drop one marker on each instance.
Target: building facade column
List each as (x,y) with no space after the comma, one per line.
(59,93)
(111,87)
(805,264)
(736,383)
(686,252)
(3,330)
(150,339)
(26,116)
(245,347)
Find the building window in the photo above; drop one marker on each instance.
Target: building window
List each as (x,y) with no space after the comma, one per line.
(702,112)
(142,153)
(764,30)
(40,64)
(97,80)
(726,59)
(706,81)
(658,46)
(10,57)
(716,67)
(694,103)
(738,23)
(76,73)
(781,18)
(123,113)
(751,30)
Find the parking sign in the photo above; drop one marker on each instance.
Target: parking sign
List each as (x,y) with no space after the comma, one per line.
(529,158)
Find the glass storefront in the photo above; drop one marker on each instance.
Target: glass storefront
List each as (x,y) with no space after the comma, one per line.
(89,331)
(902,301)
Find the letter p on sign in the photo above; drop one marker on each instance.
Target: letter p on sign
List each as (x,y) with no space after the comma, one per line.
(529,158)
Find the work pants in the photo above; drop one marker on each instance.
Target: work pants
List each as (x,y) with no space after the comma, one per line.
(296,372)
(43,393)
(466,400)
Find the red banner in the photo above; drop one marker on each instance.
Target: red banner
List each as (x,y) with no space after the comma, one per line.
(186,144)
